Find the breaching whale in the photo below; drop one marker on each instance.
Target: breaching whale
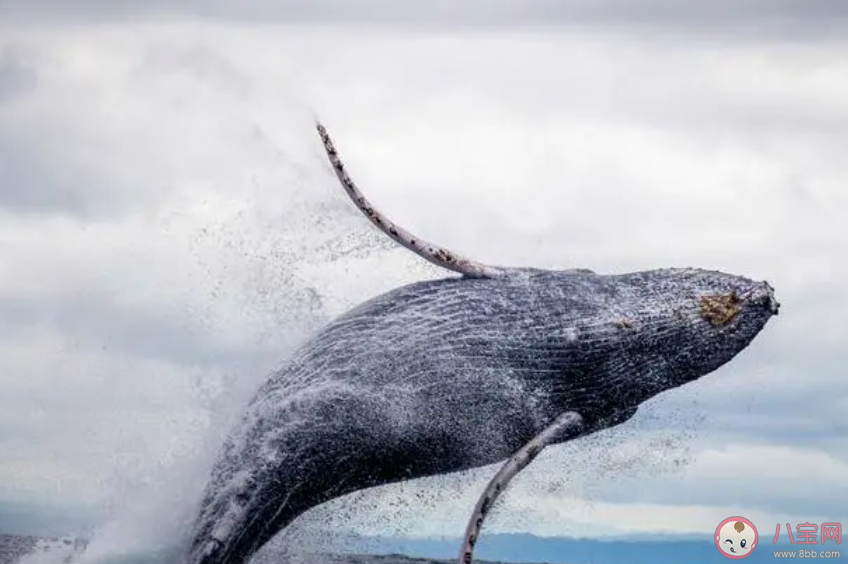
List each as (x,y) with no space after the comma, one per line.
(461,372)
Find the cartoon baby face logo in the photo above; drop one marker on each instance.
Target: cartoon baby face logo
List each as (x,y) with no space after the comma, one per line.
(736,538)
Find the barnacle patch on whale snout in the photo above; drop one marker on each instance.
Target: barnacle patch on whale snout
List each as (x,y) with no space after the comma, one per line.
(720,309)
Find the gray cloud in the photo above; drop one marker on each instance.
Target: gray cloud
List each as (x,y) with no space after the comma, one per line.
(813,16)
(16,77)
(30,182)
(136,332)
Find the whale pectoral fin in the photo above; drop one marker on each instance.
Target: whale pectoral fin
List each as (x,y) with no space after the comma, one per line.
(433,253)
(567,424)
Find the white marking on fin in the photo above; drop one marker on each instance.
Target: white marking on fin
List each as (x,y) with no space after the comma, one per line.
(566,423)
(433,253)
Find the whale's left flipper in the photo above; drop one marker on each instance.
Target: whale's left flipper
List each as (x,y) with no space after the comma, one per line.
(568,423)
(433,253)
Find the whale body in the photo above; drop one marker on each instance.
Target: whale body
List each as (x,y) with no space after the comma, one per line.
(446,375)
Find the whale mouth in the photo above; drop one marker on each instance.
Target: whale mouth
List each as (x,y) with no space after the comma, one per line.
(763,296)
(771,302)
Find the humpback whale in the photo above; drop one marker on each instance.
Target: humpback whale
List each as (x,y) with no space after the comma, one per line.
(460,372)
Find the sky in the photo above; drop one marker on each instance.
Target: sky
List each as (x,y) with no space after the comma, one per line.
(170,230)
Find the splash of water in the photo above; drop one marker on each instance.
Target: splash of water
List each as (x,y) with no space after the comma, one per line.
(266,255)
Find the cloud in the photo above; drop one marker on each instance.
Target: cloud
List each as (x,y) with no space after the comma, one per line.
(16,77)
(812,18)
(169,231)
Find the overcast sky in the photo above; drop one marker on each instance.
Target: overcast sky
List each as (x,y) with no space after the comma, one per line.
(784,16)
(169,230)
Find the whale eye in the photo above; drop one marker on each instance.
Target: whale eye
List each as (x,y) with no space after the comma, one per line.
(742,543)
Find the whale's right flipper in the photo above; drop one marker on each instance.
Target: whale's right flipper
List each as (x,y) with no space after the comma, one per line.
(433,253)
(568,423)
